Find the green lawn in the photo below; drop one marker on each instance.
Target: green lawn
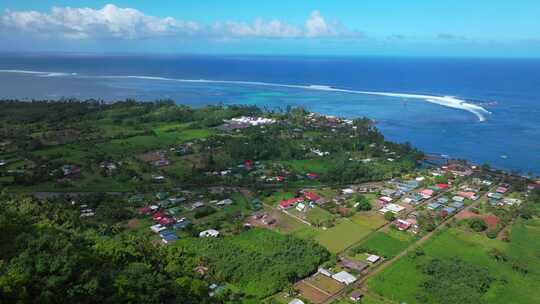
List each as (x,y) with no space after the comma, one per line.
(387,243)
(341,236)
(403,279)
(369,220)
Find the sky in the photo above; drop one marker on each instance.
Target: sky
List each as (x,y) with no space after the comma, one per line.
(481,28)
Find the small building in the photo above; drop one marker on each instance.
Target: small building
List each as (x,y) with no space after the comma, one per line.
(468,194)
(388,192)
(209,233)
(224,202)
(458,199)
(157,228)
(433,206)
(296,301)
(289,203)
(312,196)
(355,296)
(495,195)
(426,193)
(442,186)
(344,277)
(325,272)
(373,258)
(385,199)
(301,207)
(353,265)
(402,225)
(501,190)
(394,208)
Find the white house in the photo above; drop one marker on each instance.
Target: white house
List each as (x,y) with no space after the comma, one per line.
(394,208)
(209,233)
(373,258)
(344,277)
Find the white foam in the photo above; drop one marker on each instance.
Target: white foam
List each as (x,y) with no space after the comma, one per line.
(39,73)
(446,101)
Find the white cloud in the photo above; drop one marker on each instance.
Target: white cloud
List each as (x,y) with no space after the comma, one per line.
(128,23)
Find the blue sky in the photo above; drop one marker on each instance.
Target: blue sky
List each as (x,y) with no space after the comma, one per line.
(500,28)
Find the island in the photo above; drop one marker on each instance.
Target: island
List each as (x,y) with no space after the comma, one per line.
(156,202)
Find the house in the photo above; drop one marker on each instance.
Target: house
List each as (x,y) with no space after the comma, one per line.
(70,170)
(407,200)
(224,202)
(289,203)
(402,225)
(157,228)
(355,296)
(197,205)
(416,198)
(426,193)
(459,199)
(169,238)
(413,224)
(312,176)
(161,195)
(158,178)
(209,233)
(353,265)
(312,196)
(394,208)
(145,210)
(248,165)
(158,216)
(449,210)
(388,192)
(373,258)
(301,207)
(325,272)
(385,200)
(176,200)
(3,162)
(442,186)
(166,221)
(501,190)
(344,277)
(512,201)
(457,205)
(181,225)
(496,196)
(443,200)
(468,194)
(347,191)
(433,206)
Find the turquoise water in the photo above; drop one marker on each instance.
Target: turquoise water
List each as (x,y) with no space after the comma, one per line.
(499,122)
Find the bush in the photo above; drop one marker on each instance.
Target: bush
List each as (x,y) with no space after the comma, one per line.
(389,216)
(477,225)
(492,233)
(204,211)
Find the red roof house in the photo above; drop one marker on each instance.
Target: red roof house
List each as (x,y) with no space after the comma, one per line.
(312,175)
(158,216)
(289,203)
(145,210)
(165,221)
(442,186)
(502,190)
(312,196)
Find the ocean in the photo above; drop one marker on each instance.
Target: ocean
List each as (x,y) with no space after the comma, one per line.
(482,110)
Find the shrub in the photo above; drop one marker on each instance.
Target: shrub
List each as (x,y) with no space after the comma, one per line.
(477,225)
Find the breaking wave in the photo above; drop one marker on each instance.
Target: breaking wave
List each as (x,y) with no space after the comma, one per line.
(446,101)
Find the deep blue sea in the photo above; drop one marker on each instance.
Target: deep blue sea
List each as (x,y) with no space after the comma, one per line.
(484,110)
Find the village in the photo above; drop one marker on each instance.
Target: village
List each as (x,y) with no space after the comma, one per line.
(332,182)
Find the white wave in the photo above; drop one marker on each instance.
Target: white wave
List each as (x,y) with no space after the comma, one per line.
(446,101)
(39,73)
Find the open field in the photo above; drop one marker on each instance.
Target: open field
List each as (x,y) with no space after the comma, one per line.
(387,243)
(370,219)
(313,294)
(341,236)
(402,281)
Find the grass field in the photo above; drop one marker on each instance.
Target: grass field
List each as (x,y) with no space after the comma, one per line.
(387,243)
(344,234)
(369,220)
(318,215)
(403,279)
